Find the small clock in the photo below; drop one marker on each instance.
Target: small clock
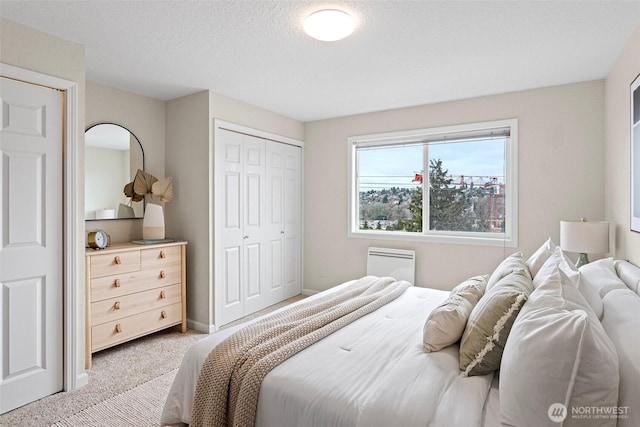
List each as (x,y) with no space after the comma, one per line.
(97,239)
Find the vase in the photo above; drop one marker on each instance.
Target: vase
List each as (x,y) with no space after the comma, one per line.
(153,222)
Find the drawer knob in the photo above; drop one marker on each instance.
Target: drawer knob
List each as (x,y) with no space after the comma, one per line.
(118,328)
(116,306)
(162,254)
(163,314)
(116,283)
(162,294)
(117,260)
(162,275)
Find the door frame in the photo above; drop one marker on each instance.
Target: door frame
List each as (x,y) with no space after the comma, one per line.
(71,233)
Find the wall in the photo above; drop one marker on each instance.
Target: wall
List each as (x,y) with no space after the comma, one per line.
(27,48)
(625,244)
(187,215)
(189,135)
(561,134)
(144,117)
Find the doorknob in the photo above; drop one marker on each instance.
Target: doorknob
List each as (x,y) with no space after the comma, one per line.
(246,237)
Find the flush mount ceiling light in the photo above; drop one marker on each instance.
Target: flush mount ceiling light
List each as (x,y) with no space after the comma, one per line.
(329,25)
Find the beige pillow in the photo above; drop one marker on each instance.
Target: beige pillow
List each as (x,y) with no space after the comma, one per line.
(508,265)
(490,321)
(446,322)
(472,288)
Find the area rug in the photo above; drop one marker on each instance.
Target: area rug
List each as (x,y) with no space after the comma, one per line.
(140,407)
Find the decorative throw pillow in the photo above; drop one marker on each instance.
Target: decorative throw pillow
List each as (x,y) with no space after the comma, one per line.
(538,258)
(471,288)
(602,275)
(490,321)
(445,324)
(510,264)
(557,354)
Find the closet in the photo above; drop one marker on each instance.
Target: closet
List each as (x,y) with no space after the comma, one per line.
(258,216)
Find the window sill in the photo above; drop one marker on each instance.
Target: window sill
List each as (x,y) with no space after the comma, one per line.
(500,240)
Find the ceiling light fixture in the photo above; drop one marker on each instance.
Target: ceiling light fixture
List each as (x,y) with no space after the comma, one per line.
(329,25)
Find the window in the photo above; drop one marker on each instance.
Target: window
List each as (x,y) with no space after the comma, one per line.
(467,171)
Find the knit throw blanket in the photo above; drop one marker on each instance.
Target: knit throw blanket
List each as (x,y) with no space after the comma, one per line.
(229,382)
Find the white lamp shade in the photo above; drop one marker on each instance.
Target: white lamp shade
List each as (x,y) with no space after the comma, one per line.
(589,237)
(153,222)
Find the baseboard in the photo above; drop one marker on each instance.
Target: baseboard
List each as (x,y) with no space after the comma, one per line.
(201,327)
(82,380)
(309,292)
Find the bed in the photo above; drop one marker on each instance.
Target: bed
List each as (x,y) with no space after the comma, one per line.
(375,370)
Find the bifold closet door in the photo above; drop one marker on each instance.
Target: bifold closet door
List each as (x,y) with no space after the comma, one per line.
(240,248)
(292,220)
(258,205)
(284,199)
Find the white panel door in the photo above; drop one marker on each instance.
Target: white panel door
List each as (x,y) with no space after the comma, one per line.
(254,224)
(292,269)
(275,222)
(31,243)
(229,249)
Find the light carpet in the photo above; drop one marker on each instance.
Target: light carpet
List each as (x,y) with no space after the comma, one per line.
(128,384)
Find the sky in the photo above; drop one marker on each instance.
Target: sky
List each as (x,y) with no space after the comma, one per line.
(384,167)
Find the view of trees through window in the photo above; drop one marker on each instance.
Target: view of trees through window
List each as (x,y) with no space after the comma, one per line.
(465,183)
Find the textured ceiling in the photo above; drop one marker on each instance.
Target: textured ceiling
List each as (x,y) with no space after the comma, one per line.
(402,53)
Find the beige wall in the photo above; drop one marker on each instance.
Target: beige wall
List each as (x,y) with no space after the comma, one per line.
(187,216)
(144,117)
(561,134)
(625,243)
(189,134)
(27,48)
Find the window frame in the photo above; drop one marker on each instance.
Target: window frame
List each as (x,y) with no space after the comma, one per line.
(507,239)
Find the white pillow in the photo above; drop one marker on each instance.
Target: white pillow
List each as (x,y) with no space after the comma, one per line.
(538,258)
(557,353)
(622,323)
(602,274)
(586,288)
(508,265)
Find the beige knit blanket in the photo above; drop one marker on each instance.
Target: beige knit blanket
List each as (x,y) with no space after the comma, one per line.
(229,382)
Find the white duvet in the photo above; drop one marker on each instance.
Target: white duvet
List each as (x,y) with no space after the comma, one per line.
(370,373)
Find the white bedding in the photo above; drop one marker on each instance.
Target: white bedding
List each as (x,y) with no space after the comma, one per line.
(373,372)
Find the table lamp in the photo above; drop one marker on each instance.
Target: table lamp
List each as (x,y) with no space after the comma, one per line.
(584,237)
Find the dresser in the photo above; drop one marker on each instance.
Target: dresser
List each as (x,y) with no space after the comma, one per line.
(133,290)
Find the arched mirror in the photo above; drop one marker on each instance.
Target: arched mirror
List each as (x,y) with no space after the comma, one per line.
(112,156)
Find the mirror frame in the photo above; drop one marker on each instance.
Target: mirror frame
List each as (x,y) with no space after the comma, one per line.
(141,149)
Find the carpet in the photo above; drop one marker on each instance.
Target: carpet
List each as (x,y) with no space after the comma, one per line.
(115,371)
(128,384)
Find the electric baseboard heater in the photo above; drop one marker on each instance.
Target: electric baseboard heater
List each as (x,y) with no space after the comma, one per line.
(396,263)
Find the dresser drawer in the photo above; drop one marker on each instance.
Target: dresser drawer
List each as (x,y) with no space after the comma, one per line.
(159,257)
(128,305)
(114,263)
(123,284)
(118,331)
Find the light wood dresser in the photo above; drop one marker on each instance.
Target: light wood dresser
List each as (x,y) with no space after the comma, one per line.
(133,290)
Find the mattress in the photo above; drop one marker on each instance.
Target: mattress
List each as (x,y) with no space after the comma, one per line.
(372,372)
